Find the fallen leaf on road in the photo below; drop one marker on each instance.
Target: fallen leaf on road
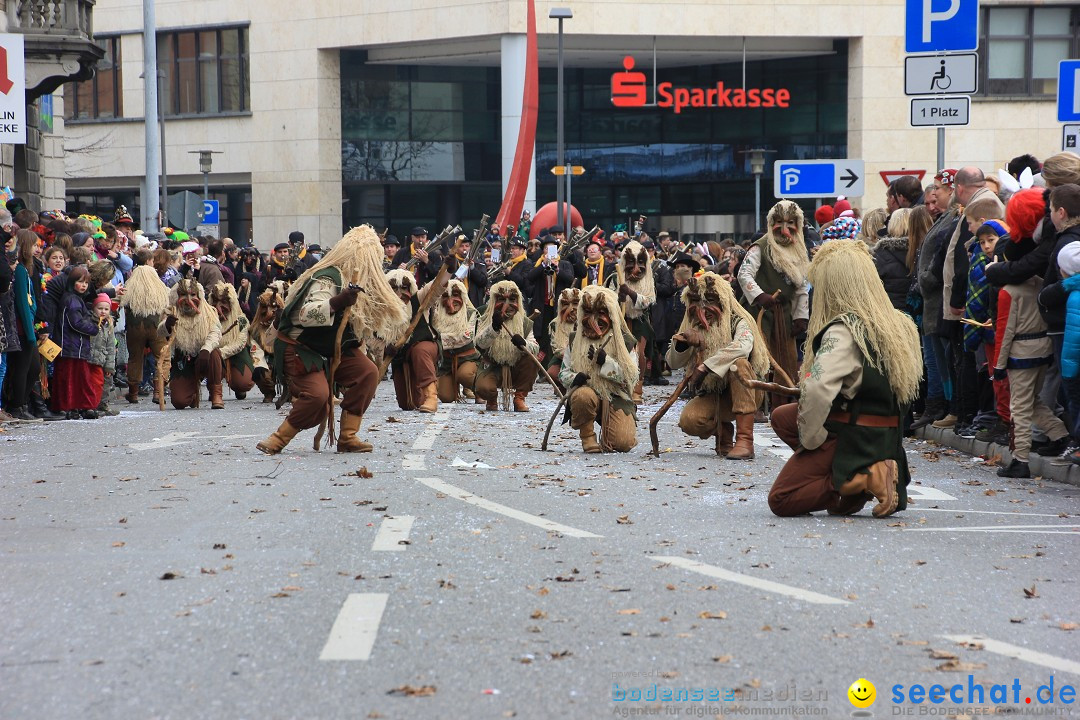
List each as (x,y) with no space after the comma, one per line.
(630,611)
(393,419)
(409,690)
(957,666)
(561,655)
(852,596)
(1031,593)
(868,624)
(291,588)
(542,591)
(1016,621)
(119,543)
(943,655)
(281,595)
(718,615)
(913,642)
(723,659)
(624,520)
(364,472)
(170,576)
(990,492)
(219,546)
(1069,626)
(538,615)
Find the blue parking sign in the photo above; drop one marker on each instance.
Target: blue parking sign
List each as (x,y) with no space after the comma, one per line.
(1069,91)
(211,212)
(942,26)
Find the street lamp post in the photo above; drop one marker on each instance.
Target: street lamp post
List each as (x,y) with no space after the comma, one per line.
(206,160)
(757,167)
(560,14)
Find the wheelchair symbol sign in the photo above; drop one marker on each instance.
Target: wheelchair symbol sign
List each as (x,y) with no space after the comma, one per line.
(956,74)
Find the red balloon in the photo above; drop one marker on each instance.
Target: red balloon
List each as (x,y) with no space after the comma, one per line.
(548,215)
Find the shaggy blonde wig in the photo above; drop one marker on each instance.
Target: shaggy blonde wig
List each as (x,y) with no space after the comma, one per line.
(847,288)
(145,294)
(592,298)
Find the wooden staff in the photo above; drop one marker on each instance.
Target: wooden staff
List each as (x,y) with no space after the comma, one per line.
(776,367)
(655,420)
(164,366)
(771,387)
(563,399)
(540,368)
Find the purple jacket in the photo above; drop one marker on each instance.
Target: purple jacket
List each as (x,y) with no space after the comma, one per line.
(77,328)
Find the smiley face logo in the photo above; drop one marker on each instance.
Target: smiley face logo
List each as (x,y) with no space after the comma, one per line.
(862,693)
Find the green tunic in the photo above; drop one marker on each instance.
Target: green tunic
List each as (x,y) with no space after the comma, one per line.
(857,446)
(769,279)
(314,345)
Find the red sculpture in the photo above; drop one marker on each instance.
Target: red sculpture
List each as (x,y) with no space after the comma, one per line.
(518,185)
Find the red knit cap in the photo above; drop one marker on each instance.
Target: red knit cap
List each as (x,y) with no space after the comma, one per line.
(1024,211)
(823,214)
(841,205)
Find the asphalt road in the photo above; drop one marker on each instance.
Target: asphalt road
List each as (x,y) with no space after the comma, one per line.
(155,565)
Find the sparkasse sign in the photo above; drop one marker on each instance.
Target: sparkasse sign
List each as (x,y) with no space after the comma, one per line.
(629,89)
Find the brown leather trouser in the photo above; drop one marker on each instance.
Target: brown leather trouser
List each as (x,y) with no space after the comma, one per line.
(140,334)
(805,483)
(449,382)
(522,377)
(417,372)
(698,417)
(356,375)
(619,433)
(240,379)
(184,389)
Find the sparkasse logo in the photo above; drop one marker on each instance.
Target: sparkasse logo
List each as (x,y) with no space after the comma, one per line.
(628,89)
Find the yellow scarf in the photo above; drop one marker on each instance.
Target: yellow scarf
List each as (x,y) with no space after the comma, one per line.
(599,272)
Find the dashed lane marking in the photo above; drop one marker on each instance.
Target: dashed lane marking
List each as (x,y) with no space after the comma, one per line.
(1047,529)
(773,445)
(1018,653)
(749,580)
(357,625)
(922,492)
(982,512)
(393,535)
(432,430)
(465,496)
(183,438)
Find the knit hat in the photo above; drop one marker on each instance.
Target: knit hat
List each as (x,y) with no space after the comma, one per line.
(995,227)
(1068,259)
(102,298)
(841,205)
(946,176)
(823,214)
(843,228)
(1024,212)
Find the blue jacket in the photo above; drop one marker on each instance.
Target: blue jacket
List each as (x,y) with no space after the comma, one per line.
(1070,352)
(77,329)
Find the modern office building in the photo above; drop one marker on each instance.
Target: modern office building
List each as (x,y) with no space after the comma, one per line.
(331,113)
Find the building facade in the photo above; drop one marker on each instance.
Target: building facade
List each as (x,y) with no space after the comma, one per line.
(329,114)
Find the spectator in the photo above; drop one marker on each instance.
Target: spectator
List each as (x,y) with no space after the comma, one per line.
(890,259)
(103,352)
(74,390)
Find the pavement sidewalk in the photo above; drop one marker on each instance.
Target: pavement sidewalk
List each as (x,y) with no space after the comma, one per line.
(1049,468)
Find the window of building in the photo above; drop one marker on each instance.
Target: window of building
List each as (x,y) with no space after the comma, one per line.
(101,96)
(1022,46)
(205,71)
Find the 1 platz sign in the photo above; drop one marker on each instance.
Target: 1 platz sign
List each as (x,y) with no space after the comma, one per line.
(12,90)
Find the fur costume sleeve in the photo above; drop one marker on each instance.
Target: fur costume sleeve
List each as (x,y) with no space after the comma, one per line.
(742,343)
(679,358)
(837,370)
(213,338)
(801,310)
(237,338)
(748,271)
(315,310)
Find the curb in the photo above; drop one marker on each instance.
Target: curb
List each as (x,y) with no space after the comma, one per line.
(1048,468)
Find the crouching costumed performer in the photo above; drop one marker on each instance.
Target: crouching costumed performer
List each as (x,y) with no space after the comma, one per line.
(330,309)
(504,335)
(861,371)
(235,347)
(454,320)
(193,325)
(601,371)
(720,345)
(414,362)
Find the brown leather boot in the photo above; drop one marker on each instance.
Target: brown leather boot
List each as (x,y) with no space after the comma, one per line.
(216,401)
(588,439)
(519,402)
(347,441)
(744,438)
(430,403)
(727,433)
(879,481)
(492,405)
(849,504)
(278,439)
(132,395)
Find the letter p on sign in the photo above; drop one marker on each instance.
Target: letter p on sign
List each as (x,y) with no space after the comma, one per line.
(935,26)
(930,17)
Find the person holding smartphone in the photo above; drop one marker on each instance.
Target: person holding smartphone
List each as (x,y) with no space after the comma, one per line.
(549,276)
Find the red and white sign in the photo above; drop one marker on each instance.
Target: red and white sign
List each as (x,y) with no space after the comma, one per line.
(891,175)
(12,90)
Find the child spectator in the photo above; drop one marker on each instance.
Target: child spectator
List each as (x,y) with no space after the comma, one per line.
(103,351)
(988,235)
(1024,351)
(74,390)
(1065,215)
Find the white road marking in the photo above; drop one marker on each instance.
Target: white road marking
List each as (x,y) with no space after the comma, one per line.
(182,438)
(354,631)
(1018,653)
(413,461)
(466,496)
(749,580)
(477,465)
(923,492)
(775,446)
(982,512)
(392,531)
(1052,529)
(426,440)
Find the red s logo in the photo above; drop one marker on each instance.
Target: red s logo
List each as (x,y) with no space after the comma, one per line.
(628,88)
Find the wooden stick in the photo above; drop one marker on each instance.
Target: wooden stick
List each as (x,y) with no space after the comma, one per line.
(770,387)
(327,425)
(663,410)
